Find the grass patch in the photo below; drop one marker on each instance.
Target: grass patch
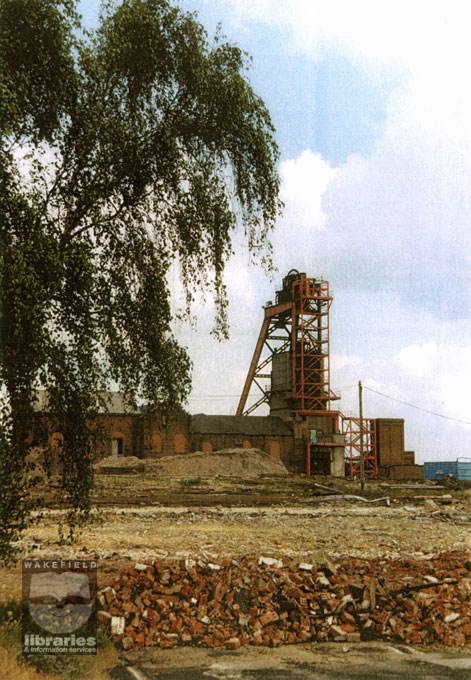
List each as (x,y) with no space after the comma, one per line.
(15,666)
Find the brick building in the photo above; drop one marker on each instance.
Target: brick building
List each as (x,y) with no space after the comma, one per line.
(213,433)
(137,433)
(394,462)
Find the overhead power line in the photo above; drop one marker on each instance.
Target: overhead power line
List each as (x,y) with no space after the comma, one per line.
(370,389)
(218,396)
(419,408)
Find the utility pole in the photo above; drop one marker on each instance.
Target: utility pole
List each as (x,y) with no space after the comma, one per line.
(362,460)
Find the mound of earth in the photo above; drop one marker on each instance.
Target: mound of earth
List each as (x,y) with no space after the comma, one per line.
(226,463)
(125,465)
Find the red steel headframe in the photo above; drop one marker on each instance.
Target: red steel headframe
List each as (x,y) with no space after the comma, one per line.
(301,324)
(310,340)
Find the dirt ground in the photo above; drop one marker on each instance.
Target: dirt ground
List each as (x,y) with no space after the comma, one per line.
(138,517)
(328,661)
(272,516)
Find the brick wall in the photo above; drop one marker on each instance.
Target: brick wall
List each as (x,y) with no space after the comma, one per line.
(276,446)
(162,439)
(390,441)
(401,472)
(151,438)
(125,427)
(112,426)
(295,458)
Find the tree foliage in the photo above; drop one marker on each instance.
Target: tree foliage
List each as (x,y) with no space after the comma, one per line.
(124,151)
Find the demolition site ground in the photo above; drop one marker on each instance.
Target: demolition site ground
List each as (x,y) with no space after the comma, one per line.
(318,539)
(137,516)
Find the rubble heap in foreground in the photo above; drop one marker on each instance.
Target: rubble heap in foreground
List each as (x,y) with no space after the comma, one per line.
(263,601)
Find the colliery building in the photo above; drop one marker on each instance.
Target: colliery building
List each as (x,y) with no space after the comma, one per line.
(290,369)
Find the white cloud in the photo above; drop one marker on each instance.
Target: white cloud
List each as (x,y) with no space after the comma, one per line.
(426,40)
(303,182)
(369,27)
(442,371)
(400,221)
(418,360)
(341,361)
(391,232)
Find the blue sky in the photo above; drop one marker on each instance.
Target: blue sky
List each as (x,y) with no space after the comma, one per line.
(372,104)
(329,104)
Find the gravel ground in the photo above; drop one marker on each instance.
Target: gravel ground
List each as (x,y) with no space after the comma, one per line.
(339,528)
(301,529)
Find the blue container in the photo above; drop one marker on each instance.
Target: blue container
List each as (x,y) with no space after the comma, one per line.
(464,469)
(460,468)
(440,470)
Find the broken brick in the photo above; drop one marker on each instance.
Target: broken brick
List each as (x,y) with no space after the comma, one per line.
(186,602)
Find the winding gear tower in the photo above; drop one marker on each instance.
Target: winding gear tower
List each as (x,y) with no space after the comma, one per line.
(295,330)
(291,369)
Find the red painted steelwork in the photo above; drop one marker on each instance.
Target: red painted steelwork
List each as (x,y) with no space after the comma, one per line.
(310,353)
(351,427)
(270,323)
(300,322)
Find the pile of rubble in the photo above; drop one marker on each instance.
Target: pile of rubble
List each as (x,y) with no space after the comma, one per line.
(227,462)
(265,601)
(114,465)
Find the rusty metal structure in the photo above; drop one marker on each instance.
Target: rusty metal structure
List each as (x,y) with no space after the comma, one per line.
(290,368)
(351,428)
(296,333)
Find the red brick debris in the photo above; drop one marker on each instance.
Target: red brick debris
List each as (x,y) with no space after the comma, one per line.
(263,601)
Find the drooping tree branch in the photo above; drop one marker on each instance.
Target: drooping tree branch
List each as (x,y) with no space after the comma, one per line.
(147,144)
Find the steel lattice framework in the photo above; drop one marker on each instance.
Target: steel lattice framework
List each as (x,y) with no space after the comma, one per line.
(310,346)
(298,324)
(351,427)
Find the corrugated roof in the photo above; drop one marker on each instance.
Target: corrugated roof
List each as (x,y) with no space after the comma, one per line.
(243,425)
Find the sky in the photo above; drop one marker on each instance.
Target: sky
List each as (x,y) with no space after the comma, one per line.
(371,101)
